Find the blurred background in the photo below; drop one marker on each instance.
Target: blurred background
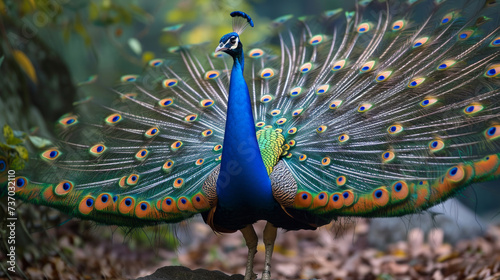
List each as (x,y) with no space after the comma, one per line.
(56,52)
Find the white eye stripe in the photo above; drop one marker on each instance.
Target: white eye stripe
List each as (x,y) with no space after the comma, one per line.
(235,45)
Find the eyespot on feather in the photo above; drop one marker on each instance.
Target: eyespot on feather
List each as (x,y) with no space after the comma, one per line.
(200,202)
(113,119)
(266,98)
(492,71)
(336,201)
(306,67)
(63,188)
(348,196)
(339,65)
(275,112)
(400,190)
(266,73)
(184,204)
(20,182)
(260,124)
(326,161)
(297,112)
(132,179)
(367,67)
(141,154)
(103,201)
(395,129)
(335,104)
(321,128)
(447,18)
(126,205)
(492,132)
(343,138)
(191,118)
(150,133)
(3,165)
(212,74)
(217,147)
(415,82)
(341,180)
(302,157)
(316,39)
(207,103)
(388,156)
(199,161)
(296,91)
(176,145)
(363,28)
(166,102)
(167,166)
(465,34)
(97,149)
(155,62)
(473,109)
(292,130)
(380,196)
(281,121)
(255,53)
(129,78)
(86,205)
(207,132)
(168,83)
(143,209)
(398,25)
(68,121)
(383,76)
(495,42)
(292,143)
(303,200)
(436,145)
(320,200)
(455,174)
(169,205)
(51,154)
(420,42)
(322,89)
(364,107)
(446,64)
(428,102)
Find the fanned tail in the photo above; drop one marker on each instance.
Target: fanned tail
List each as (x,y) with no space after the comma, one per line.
(383,114)
(143,157)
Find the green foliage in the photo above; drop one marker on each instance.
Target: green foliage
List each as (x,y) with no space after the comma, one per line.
(13,148)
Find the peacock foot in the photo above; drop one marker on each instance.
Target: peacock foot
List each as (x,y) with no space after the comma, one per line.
(266,275)
(250,276)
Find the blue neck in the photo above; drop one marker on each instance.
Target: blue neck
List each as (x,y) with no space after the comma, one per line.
(243,178)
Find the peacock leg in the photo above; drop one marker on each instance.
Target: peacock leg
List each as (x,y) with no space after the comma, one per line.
(269,238)
(251,240)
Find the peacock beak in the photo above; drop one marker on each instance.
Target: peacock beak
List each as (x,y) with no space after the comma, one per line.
(220,48)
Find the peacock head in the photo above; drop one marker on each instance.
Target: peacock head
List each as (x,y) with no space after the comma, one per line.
(230,43)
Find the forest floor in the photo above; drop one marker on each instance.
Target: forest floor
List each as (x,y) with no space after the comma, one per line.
(337,251)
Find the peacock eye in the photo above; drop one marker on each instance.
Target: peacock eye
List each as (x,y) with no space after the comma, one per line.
(233,41)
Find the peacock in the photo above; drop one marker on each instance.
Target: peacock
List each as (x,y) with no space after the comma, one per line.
(380,112)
